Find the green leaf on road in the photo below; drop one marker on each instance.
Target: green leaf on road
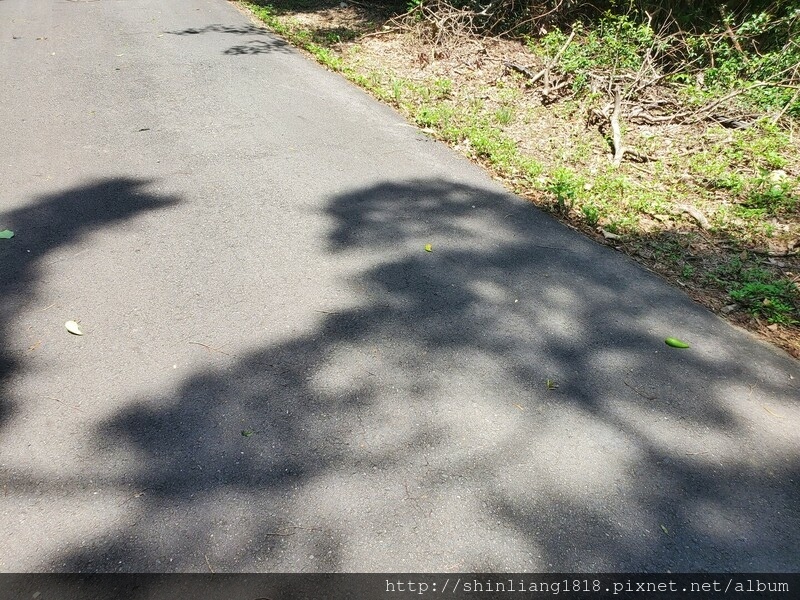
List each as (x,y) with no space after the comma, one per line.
(675,343)
(247,432)
(428,248)
(6,234)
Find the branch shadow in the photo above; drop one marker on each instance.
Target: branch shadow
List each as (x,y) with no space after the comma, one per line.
(414,431)
(218,28)
(257,47)
(262,46)
(50,222)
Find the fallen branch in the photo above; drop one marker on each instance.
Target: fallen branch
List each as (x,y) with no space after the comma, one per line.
(779,116)
(65,404)
(616,132)
(637,156)
(210,348)
(702,113)
(549,93)
(732,35)
(775,253)
(534,77)
(561,50)
(643,395)
(695,214)
(385,30)
(547,90)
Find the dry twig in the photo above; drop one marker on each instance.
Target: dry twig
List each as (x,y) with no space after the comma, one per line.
(210,348)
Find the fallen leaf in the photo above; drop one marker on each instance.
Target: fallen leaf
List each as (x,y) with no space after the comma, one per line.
(664,529)
(6,234)
(247,432)
(428,248)
(773,327)
(675,343)
(73,328)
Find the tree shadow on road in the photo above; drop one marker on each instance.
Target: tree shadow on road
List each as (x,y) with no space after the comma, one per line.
(259,46)
(218,28)
(50,222)
(502,402)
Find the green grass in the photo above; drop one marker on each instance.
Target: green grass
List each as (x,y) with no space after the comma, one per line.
(504,115)
(759,291)
(772,195)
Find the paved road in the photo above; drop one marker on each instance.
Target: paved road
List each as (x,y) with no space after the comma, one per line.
(276,376)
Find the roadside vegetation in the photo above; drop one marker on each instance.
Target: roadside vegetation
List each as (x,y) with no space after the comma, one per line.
(668,130)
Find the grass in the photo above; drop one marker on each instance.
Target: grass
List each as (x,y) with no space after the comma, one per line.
(743,182)
(758,291)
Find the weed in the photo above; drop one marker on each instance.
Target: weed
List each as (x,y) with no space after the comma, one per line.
(398,85)
(759,291)
(613,226)
(530,167)
(762,146)
(715,172)
(504,115)
(442,88)
(669,251)
(437,89)
(565,186)
(269,18)
(325,56)
(775,301)
(475,105)
(618,42)
(771,195)
(771,54)
(591,214)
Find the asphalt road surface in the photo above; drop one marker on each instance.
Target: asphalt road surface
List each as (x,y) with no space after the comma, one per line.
(276,376)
